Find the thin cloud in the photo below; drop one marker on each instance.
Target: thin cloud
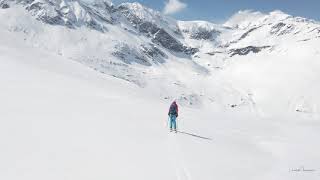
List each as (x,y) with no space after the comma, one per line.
(174,6)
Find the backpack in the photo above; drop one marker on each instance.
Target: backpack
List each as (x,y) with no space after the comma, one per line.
(173,109)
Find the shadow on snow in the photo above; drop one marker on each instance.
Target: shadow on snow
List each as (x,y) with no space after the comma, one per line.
(194,135)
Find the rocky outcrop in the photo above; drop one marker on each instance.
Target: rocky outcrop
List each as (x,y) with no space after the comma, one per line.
(203,34)
(164,39)
(94,15)
(130,55)
(281,29)
(158,34)
(246,50)
(154,53)
(247,33)
(4,5)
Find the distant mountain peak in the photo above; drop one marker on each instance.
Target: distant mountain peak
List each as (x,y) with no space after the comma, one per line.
(245,18)
(147,36)
(143,12)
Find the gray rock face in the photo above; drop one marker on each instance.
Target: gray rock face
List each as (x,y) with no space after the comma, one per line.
(53,13)
(130,55)
(4,5)
(281,29)
(154,53)
(101,13)
(204,34)
(148,28)
(159,35)
(247,33)
(143,56)
(316,30)
(127,13)
(246,50)
(55,18)
(276,28)
(190,50)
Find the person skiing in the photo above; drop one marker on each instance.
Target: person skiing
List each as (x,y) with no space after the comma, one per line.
(173,114)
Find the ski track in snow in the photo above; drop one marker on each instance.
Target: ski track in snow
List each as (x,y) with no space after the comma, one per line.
(176,155)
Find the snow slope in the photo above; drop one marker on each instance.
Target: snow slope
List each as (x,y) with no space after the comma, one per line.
(62,116)
(61,120)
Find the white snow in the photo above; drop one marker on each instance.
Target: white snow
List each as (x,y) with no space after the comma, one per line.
(60,118)
(246,18)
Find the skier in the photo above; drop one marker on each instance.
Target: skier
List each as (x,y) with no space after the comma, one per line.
(173,114)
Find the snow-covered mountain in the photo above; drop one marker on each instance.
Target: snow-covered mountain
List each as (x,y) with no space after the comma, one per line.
(135,43)
(139,45)
(87,80)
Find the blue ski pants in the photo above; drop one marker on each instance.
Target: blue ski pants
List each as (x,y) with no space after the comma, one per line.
(173,124)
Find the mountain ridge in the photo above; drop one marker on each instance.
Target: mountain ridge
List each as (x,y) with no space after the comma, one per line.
(137,44)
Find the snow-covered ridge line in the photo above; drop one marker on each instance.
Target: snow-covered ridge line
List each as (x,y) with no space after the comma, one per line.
(132,42)
(69,13)
(99,13)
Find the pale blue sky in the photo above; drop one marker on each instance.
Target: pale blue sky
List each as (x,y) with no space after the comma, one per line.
(220,10)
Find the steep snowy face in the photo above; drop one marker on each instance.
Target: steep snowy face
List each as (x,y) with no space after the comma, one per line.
(162,30)
(136,13)
(247,18)
(201,34)
(99,14)
(200,30)
(69,13)
(244,30)
(255,28)
(142,46)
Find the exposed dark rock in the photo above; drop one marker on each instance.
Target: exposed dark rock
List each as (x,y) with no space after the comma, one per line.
(315,29)
(53,20)
(297,32)
(4,5)
(153,51)
(167,41)
(304,40)
(214,53)
(276,28)
(242,37)
(246,50)
(300,19)
(35,6)
(177,32)
(25,2)
(164,39)
(148,28)
(282,28)
(129,55)
(190,51)
(233,105)
(159,35)
(53,14)
(247,33)
(98,15)
(289,28)
(133,19)
(203,34)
